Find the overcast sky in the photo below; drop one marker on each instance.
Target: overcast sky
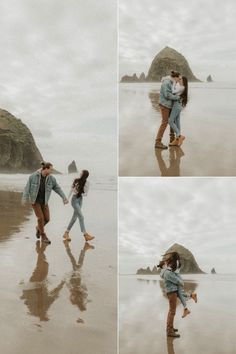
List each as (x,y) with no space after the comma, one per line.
(202,30)
(198,213)
(58,74)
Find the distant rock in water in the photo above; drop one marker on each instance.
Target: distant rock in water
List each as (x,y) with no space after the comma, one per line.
(213,271)
(209,78)
(18,151)
(142,78)
(128,78)
(188,262)
(166,60)
(72,168)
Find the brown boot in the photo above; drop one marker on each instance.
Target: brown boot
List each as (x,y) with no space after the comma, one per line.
(88,237)
(181,139)
(175,142)
(186,313)
(66,236)
(45,239)
(173,334)
(194,297)
(160,145)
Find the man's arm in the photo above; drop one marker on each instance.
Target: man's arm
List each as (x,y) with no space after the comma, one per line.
(59,191)
(26,192)
(167,92)
(171,276)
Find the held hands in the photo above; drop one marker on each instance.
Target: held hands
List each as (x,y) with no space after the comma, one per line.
(65,201)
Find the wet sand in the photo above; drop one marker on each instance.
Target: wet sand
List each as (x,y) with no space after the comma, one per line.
(59,298)
(210,328)
(207,122)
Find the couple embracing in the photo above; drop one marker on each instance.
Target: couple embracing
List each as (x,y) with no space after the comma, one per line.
(173,97)
(38,190)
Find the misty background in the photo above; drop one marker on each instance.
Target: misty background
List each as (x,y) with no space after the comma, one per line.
(201,30)
(58,75)
(198,213)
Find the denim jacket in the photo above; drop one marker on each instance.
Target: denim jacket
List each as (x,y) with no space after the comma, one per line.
(32,188)
(166,96)
(171,280)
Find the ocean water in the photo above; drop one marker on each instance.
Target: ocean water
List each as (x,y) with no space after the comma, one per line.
(210,327)
(208,122)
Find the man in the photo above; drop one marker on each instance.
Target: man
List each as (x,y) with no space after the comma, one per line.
(38,191)
(166,102)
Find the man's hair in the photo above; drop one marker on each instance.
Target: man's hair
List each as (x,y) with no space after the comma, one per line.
(46,165)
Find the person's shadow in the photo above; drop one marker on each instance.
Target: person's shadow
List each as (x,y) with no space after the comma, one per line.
(78,290)
(175,154)
(36,295)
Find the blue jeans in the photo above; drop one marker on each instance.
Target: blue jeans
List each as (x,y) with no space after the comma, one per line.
(77,205)
(174,118)
(183,296)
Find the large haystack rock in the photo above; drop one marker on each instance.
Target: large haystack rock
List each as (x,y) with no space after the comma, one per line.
(188,262)
(166,60)
(18,151)
(72,168)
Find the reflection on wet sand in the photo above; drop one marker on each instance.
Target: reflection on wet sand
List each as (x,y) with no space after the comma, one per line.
(170,345)
(175,154)
(78,290)
(36,295)
(11,209)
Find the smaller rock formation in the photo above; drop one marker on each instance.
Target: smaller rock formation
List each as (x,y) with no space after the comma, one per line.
(129,79)
(209,78)
(213,271)
(142,78)
(72,168)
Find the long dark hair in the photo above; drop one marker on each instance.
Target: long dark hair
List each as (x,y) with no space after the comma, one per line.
(184,95)
(172,261)
(79,183)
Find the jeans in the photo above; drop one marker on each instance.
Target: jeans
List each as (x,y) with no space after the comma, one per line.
(183,296)
(77,205)
(174,118)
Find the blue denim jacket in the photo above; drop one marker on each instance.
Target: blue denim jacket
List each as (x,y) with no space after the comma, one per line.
(171,280)
(32,188)
(166,96)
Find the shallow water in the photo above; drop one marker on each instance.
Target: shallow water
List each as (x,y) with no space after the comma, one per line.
(59,298)
(208,122)
(210,328)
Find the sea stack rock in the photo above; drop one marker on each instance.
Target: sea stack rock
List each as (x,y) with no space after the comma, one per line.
(142,78)
(166,60)
(18,151)
(209,78)
(72,168)
(188,262)
(213,271)
(128,78)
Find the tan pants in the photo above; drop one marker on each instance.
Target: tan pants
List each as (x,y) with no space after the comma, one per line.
(165,113)
(172,297)
(43,216)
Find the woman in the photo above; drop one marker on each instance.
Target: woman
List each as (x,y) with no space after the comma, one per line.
(180,89)
(79,189)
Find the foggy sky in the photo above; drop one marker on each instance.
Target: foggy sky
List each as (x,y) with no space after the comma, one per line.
(202,30)
(198,213)
(58,74)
